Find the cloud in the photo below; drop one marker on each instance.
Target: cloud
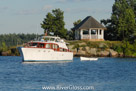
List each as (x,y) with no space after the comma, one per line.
(29,12)
(68,10)
(34,11)
(63,1)
(71,1)
(77,10)
(47,7)
(3,8)
(88,11)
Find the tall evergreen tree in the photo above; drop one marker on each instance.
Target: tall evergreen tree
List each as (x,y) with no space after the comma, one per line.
(122,23)
(48,23)
(54,22)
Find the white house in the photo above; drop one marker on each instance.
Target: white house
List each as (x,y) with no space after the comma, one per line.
(89,29)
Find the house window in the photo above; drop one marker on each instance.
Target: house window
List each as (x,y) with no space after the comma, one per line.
(100,32)
(93,31)
(85,31)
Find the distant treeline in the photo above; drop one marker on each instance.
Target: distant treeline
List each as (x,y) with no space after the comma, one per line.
(16,39)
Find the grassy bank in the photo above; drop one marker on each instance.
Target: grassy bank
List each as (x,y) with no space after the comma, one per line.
(103,48)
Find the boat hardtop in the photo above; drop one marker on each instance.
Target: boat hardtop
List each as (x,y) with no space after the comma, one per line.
(48,40)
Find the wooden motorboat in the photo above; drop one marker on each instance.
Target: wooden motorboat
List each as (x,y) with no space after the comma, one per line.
(88,59)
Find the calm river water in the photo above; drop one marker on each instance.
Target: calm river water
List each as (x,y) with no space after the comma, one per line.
(106,74)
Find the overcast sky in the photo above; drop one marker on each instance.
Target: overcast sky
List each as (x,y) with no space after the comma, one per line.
(25,16)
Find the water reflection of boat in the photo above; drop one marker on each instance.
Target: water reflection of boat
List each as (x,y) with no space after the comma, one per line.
(88,59)
(46,49)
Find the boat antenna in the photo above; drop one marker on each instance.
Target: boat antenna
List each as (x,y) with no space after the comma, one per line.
(37,32)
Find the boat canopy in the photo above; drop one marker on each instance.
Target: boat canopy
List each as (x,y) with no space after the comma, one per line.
(50,38)
(53,39)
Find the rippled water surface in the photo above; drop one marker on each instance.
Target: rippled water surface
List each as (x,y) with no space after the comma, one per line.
(106,74)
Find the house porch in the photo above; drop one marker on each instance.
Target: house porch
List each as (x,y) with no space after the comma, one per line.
(92,34)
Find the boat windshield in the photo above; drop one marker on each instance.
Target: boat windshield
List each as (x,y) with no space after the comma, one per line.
(57,40)
(46,39)
(52,39)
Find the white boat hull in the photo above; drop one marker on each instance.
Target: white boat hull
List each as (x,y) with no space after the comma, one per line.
(88,59)
(44,55)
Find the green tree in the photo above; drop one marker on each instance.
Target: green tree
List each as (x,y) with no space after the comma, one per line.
(126,20)
(71,33)
(76,22)
(122,24)
(14,39)
(4,47)
(54,22)
(47,24)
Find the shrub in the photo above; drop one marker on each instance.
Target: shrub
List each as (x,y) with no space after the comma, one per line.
(128,49)
(118,48)
(76,46)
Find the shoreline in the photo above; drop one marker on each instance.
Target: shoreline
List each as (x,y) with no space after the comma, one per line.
(90,49)
(102,49)
(80,55)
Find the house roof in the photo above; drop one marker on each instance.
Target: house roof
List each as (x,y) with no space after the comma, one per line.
(87,23)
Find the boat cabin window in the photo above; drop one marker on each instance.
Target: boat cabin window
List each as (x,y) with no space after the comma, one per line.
(61,49)
(47,45)
(41,45)
(65,50)
(55,46)
(33,44)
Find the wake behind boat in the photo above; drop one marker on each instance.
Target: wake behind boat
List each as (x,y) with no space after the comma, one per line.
(88,59)
(46,49)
